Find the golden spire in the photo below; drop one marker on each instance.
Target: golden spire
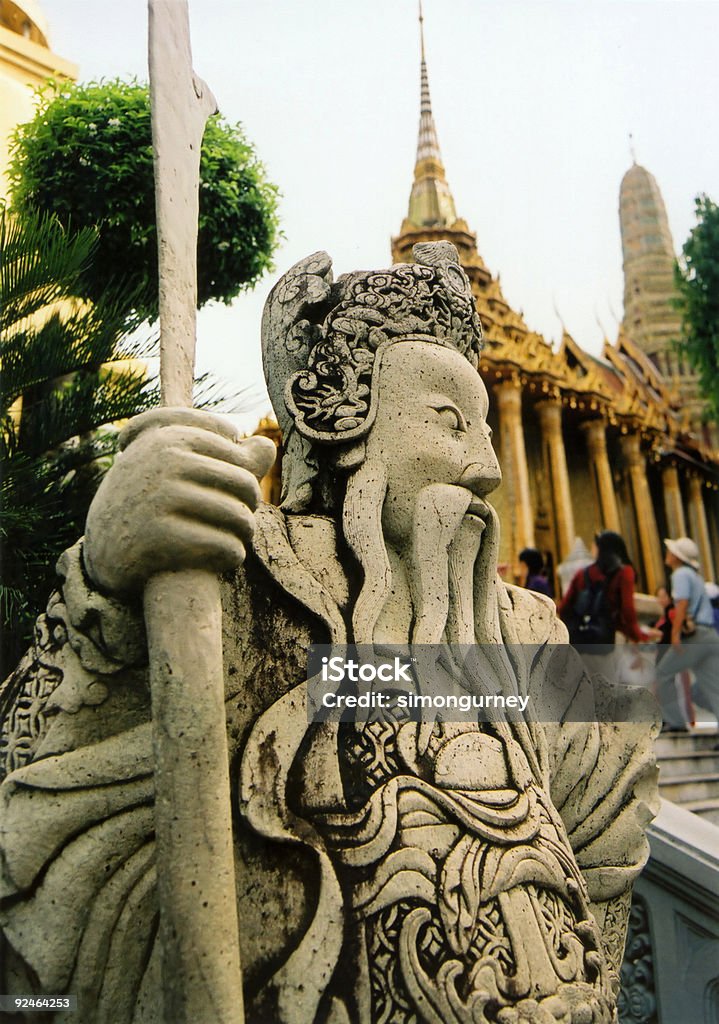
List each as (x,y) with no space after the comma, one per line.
(431,203)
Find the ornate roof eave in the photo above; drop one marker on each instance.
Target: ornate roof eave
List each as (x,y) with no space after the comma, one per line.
(512,354)
(588,362)
(694,459)
(636,392)
(530,360)
(410,233)
(689,440)
(534,360)
(652,373)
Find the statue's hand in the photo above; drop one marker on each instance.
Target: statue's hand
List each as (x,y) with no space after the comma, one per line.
(180,495)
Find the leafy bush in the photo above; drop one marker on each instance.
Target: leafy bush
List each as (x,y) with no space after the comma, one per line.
(86,158)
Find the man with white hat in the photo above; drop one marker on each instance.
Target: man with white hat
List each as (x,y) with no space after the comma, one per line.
(695,643)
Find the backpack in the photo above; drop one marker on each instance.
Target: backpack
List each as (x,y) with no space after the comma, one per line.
(591,622)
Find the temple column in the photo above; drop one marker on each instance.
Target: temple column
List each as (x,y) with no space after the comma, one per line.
(699,526)
(649,541)
(595,432)
(673,505)
(550,419)
(514,465)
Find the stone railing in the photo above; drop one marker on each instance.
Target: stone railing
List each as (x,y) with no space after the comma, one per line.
(670,973)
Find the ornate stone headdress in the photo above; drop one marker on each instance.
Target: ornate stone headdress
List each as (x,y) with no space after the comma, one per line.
(322,345)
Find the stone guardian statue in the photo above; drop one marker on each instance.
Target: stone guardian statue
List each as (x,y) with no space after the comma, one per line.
(401,871)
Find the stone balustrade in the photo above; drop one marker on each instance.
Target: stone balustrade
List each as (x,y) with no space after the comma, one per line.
(671,967)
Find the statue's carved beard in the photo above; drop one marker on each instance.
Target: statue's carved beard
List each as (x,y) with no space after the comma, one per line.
(451,567)
(450,561)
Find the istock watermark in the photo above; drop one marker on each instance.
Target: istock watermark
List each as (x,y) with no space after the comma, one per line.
(337,668)
(476,683)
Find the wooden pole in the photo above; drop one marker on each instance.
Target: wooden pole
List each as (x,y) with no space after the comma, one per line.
(201,973)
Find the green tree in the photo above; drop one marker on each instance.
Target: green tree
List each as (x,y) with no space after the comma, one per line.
(697,279)
(65,379)
(86,157)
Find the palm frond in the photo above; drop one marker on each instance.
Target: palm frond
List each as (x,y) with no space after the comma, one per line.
(40,263)
(70,372)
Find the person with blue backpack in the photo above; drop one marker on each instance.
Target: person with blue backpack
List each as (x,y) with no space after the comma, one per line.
(694,640)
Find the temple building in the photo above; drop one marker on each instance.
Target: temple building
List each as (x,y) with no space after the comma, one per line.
(585,443)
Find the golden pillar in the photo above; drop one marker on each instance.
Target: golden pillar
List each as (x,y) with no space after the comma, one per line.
(596,434)
(550,419)
(673,506)
(699,526)
(514,466)
(649,541)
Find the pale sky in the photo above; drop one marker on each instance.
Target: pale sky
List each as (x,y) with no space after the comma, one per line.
(533,101)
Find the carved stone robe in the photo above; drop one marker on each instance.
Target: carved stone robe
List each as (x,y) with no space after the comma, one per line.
(485,878)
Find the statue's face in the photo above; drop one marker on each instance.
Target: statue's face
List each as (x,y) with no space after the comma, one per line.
(430,428)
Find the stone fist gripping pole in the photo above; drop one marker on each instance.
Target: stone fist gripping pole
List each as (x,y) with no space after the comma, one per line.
(180,496)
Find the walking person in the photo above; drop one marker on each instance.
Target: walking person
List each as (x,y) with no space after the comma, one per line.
(664,625)
(600,603)
(694,641)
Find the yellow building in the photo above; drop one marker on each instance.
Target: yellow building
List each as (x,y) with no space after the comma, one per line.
(585,443)
(26,61)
